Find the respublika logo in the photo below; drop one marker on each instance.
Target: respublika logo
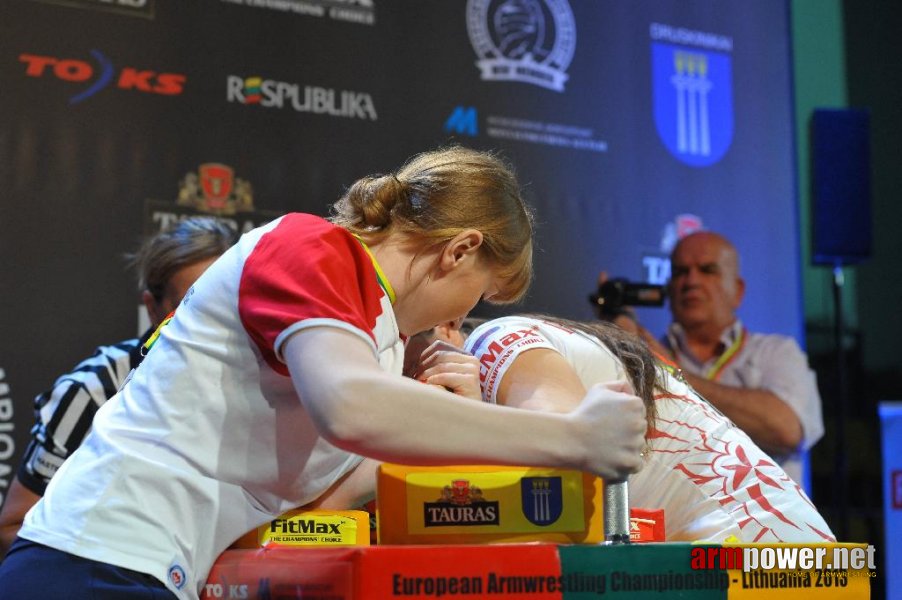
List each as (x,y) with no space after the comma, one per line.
(693,97)
(105,74)
(543,501)
(269,93)
(531,41)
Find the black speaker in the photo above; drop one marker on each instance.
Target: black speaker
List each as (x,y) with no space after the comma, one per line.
(840,186)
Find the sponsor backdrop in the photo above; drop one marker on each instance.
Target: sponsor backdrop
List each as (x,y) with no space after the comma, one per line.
(630,123)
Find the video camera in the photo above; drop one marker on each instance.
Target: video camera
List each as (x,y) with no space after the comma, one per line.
(614,294)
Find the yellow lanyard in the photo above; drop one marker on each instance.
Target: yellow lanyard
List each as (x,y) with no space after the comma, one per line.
(727,357)
(380,276)
(156,334)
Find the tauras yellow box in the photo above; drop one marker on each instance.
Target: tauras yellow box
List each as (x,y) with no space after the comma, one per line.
(486,504)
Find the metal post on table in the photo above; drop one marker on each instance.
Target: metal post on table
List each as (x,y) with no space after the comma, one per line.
(616,513)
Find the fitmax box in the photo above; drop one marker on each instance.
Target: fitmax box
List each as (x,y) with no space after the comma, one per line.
(311,528)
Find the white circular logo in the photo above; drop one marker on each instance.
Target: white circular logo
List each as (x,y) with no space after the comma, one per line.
(531,41)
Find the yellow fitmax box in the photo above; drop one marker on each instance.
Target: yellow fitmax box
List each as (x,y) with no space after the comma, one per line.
(312,528)
(486,504)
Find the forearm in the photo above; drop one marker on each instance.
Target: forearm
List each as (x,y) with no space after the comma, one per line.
(357,406)
(767,419)
(405,421)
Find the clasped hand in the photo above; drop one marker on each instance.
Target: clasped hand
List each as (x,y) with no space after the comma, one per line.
(450,367)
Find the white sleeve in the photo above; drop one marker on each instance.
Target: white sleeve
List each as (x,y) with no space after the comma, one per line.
(496,344)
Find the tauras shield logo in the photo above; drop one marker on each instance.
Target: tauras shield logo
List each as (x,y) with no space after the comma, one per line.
(460,492)
(214,189)
(542,499)
(216,181)
(693,102)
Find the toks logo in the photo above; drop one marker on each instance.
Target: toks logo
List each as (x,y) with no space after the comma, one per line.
(77,71)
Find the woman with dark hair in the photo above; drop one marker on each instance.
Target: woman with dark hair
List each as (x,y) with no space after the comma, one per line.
(712,481)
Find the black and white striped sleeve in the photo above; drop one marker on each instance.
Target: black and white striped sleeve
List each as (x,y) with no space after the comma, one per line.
(63,414)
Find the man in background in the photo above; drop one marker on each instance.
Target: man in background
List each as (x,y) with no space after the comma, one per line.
(762,382)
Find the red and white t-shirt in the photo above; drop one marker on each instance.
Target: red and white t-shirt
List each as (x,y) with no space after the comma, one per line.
(209,438)
(712,481)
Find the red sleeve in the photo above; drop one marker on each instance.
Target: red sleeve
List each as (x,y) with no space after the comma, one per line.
(306,268)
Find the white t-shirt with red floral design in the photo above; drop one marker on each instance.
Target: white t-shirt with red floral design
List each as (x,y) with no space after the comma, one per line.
(712,481)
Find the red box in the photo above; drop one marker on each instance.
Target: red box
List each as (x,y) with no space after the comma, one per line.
(384,572)
(647,525)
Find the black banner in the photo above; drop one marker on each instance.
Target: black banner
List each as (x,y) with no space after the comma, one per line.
(629,123)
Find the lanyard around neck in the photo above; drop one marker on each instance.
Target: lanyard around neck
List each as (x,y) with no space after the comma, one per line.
(728,356)
(380,276)
(156,334)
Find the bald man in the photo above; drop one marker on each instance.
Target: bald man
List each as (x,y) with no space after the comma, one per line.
(762,382)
